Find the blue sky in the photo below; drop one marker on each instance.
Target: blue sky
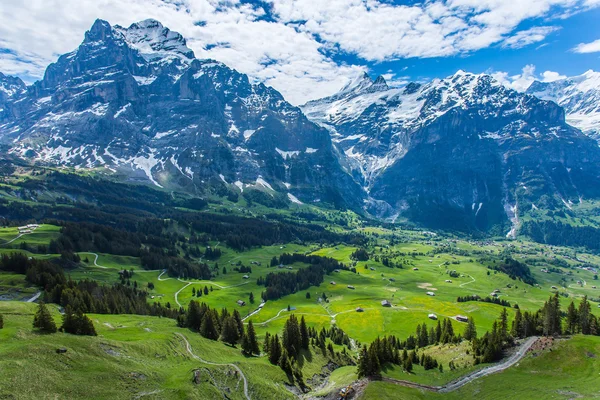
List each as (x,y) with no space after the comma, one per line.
(310,48)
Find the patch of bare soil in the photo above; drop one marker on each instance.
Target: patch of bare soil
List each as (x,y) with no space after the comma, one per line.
(426,285)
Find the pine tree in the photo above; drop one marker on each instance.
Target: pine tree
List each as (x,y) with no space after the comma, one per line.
(363,363)
(516,324)
(274,350)
(423,337)
(374,364)
(585,320)
(193,316)
(43,320)
(1,321)
(251,298)
(470,330)
(292,341)
(284,362)
(304,337)
(408,364)
(229,332)
(572,319)
(503,329)
(252,341)
(267,342)
(208,327)
(239,323)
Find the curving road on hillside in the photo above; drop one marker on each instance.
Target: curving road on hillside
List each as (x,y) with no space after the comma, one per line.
(95,259)
(457,384)
(189,350)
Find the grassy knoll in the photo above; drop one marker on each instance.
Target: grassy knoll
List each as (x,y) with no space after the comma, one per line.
(41,236)
(570,371)
(132,357)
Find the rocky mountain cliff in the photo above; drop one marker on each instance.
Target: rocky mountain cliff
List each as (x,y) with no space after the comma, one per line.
(580,97)
(137,101)
(462,152)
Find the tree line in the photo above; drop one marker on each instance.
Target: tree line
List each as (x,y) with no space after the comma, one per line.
(279,284)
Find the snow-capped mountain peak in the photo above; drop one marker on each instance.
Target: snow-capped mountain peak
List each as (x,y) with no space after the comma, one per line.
(580,97)
(153,40)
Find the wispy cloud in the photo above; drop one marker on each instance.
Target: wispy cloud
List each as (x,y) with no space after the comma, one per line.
(521,82)
(584,48)
(530,36)
(289,44)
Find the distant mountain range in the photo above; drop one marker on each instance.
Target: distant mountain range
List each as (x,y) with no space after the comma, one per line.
(580,97)
(462,152)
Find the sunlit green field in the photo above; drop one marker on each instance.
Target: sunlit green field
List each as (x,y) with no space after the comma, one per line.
(42,235)
(570,371)
(132,356)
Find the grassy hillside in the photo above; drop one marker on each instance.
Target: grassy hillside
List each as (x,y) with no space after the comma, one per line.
(132,357)
(569,371)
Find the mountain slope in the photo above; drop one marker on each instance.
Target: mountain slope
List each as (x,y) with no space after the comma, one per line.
(580,97)
(137,101)
(462,152)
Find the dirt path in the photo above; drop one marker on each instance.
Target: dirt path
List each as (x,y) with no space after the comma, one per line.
(95,259)
(177,294)
(34,298)
(189,350)
(466,283)
(12,240)
(457,384)
(20,235)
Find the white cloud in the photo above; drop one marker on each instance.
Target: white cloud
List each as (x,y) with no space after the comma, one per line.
(521,82)
(290,50)
(593,47)
(529,36)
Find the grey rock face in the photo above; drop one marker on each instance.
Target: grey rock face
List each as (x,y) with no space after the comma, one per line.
(137,101)
(580,97)
(462,152)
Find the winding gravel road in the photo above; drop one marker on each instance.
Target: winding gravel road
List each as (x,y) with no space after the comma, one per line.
(189,350)
(457,384)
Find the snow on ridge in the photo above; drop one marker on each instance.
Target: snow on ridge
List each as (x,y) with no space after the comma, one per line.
(294,199)
(263,183)
(122,110)
(287,154)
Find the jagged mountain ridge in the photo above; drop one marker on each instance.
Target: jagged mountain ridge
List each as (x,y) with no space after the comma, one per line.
(580,97)
(137,101)
(463,151)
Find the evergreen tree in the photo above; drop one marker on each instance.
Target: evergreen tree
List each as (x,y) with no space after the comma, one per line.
(363,363)
(251,298)
(304,338)
(572,319)
(515,331)
(292,341)
(267,342)
(408,364)
(470,330)
(229,332)
(252,341)
(1,321)
(208,327)
(274,350)
(585,316)
(43,320)
(284,362)
(239,323)
(503,328)
(423,336)
(193,316)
